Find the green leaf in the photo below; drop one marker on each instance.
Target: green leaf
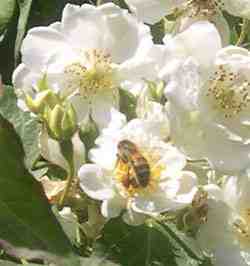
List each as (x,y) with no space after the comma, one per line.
(146,245)
(47,11)
(120,3)
(69,224)
(177,236)
(135,245)
(26,126)
(7,8)
(24,11)
(233,35)
(28,228)
(158,31)
(234,26)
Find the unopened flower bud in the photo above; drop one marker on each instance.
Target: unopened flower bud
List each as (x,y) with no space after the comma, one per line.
(69,122)
(43,99)
(42,84)
(89,132)
(156,91)
(61,122)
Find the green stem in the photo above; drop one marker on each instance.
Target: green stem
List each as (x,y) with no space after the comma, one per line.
(167,231)
(243,33)
(67,152)
(67,188)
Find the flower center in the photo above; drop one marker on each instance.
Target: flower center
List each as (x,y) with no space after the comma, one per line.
(204,8)
(139,174)
(242,228)
(94,75)
(228,92)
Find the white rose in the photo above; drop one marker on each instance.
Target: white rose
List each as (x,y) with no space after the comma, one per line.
(109,179)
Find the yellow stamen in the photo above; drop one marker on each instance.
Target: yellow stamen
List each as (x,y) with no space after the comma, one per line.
(96,75)
(242,228)
(228,92)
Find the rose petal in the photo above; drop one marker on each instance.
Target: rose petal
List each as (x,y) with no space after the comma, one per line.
(94,183)
(112,207)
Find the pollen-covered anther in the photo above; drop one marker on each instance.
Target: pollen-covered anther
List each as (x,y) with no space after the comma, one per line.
(203,8)
(242,228)
(229,92)
(93,75)
(97,58)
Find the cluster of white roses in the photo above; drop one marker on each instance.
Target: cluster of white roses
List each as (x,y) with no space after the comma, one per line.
(193,106)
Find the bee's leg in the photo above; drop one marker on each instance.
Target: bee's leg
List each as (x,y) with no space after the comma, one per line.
(128,172)
(117,160)
(125,176)
(134,176)
(127,179)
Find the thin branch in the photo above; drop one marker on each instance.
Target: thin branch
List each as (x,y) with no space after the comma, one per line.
(243,33)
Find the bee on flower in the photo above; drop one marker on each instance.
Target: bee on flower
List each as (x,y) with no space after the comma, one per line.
(135,173)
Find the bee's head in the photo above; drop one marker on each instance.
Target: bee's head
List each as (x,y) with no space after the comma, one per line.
(126,145)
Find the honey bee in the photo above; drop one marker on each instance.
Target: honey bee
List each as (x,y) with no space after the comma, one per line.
(138,168)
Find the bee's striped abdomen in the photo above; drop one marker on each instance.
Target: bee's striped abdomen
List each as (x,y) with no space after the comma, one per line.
(139,170)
